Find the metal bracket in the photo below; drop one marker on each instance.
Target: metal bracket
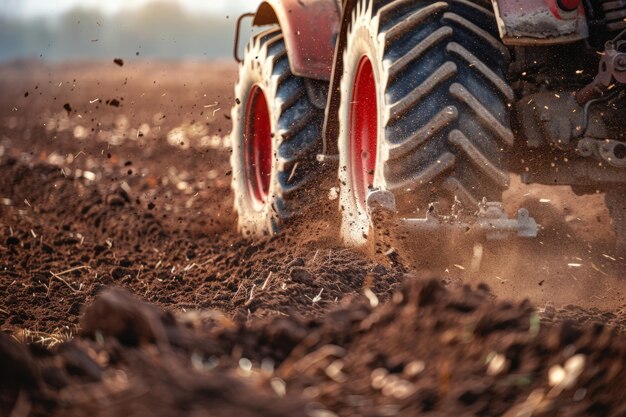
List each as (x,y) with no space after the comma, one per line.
(491,221)
(612,152)
(237,31)
(611,71)
(497,226)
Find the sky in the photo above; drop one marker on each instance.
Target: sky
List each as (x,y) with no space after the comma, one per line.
(49,8)
(99,29)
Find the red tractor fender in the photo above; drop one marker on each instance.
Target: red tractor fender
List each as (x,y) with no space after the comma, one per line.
(309,28)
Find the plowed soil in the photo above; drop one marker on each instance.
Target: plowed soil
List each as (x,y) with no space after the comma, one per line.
(126,290)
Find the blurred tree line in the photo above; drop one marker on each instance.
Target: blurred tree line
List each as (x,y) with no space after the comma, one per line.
(160,29)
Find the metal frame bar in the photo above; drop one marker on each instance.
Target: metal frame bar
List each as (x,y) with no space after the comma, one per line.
(237,30)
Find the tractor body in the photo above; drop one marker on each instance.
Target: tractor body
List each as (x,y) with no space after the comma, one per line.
(544,78)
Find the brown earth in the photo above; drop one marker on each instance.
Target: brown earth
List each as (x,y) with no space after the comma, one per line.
(118,177)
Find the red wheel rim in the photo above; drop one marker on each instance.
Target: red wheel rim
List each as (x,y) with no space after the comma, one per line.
(258,147)
(363,130)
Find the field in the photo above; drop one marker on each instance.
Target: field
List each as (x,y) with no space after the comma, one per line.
(126,290)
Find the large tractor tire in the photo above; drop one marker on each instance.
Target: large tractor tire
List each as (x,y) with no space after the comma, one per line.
(616,203)
(276,135)
(424,109)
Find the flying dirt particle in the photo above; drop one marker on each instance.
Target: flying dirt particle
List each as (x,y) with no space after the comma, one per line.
(151,206)
(556,375)
(119,61)
(26,94)
(541,282)
(130,172)
(414,368)
(114,102)
(371,297)
(279,386)
(496,364)
(378,377)
(237,101)
(228,173)
(579,395)
(67,107)
(137,53)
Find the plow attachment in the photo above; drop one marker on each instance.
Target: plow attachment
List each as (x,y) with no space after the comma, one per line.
(490,221)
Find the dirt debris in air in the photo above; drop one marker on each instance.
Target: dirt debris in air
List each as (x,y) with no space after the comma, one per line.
(200,320)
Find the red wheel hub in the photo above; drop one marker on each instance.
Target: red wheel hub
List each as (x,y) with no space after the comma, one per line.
(258,147)
(363,130)
(568,5)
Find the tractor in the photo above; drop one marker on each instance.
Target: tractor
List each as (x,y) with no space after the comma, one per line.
(422,109)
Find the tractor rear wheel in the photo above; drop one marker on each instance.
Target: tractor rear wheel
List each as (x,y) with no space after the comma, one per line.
(424,109)
(276,135)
